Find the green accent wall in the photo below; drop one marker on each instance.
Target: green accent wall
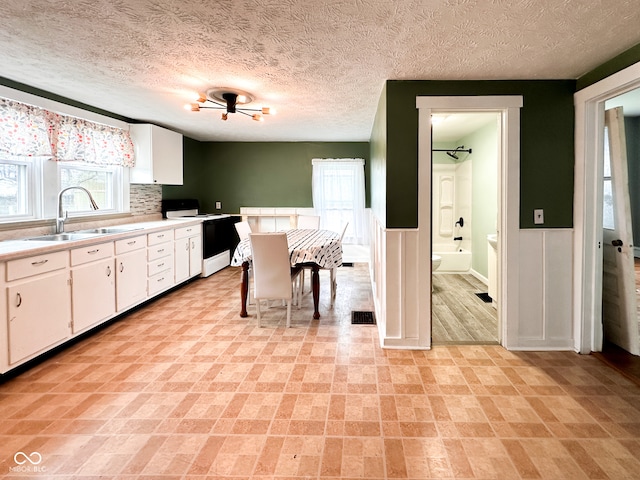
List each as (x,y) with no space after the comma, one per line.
(378,163)
(546,142)
(617,63)
(256,174)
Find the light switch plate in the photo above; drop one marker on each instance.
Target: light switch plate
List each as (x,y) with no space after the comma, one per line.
(538,216)
(218,205)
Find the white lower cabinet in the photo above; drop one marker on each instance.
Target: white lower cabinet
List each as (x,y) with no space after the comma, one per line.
(131,272)
(188,252)
(93,286)
(38,304)
(160,262)
(39,312)
(47,299)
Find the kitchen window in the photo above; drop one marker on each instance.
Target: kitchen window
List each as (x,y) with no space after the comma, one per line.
(43,151)
(103,183)
(15,191)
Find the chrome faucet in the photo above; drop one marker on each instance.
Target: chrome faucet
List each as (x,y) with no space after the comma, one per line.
(62,216)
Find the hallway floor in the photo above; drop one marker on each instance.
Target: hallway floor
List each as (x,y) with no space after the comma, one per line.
(185,389)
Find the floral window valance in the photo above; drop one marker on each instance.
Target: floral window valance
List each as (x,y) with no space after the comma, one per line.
(28,131)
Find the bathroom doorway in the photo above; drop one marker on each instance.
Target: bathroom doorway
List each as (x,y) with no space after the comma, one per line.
(465,202)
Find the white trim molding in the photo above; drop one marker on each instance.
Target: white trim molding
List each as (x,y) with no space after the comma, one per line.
(587,204)
(509,209)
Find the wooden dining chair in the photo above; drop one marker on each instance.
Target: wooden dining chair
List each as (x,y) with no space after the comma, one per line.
(273,276)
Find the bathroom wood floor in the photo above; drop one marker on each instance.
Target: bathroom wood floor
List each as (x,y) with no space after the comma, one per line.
(459,317)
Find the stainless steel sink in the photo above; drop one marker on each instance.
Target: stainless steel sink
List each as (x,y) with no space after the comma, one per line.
(61,237)
(106,230)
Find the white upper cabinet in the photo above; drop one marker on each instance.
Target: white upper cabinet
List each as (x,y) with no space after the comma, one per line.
(158,155)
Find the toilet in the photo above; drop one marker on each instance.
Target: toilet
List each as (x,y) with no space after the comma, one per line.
(435,262)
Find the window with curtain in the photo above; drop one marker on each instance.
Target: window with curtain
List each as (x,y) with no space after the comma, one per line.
(339,196)
(84,153)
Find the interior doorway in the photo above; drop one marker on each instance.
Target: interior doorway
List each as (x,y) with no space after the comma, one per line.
(507,108)
(588,205)
(465,210)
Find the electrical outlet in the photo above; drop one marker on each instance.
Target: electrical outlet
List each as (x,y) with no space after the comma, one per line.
(538,216)
(218,205)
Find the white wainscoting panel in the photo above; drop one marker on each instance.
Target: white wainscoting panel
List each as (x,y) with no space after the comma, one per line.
(541,320)
(396,288)
(545,312)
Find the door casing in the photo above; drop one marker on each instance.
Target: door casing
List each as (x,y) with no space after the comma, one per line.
(587,207)
(508,211)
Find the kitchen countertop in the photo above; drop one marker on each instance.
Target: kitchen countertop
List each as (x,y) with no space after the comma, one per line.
(12,249)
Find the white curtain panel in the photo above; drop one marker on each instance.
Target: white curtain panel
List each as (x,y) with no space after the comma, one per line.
(339,196)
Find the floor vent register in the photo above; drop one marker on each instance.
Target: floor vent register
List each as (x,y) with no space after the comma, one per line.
(362,318)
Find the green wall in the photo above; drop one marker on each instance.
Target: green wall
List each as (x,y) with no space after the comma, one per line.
(260,174)
(546,142)
(378,163)
(617,63)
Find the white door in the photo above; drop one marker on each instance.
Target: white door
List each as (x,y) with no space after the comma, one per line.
(619,315)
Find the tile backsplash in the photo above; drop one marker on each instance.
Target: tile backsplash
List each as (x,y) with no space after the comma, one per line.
(145,199)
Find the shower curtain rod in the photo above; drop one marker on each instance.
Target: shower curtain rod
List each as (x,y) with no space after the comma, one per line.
(468,150)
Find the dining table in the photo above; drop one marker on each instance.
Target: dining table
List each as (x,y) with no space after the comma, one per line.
(307,248)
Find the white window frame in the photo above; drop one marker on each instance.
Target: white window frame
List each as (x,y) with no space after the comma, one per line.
(44,177)
(30,197)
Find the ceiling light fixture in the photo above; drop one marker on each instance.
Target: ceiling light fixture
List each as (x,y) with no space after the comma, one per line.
(231,101)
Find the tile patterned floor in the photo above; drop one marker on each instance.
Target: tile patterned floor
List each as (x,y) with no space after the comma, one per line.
(186,389)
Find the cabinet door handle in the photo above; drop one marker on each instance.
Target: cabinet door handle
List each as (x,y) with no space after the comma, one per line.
(187,246)
(161,250)
(161,265)
(121,267)
(41,262)
(131,243)
(108,270)
(161,235)
(18,299)
(92,252)
(161,279)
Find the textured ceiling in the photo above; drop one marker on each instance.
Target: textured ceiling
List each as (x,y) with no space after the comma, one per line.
(321,64)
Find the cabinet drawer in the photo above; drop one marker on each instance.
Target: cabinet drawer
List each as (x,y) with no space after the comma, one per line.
(159,265)
(130,244)
(91,253)
(159,251)
(160,281)
(190,231)
(25,267)
(159,237)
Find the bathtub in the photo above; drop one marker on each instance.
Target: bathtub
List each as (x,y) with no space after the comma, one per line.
(454,259)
